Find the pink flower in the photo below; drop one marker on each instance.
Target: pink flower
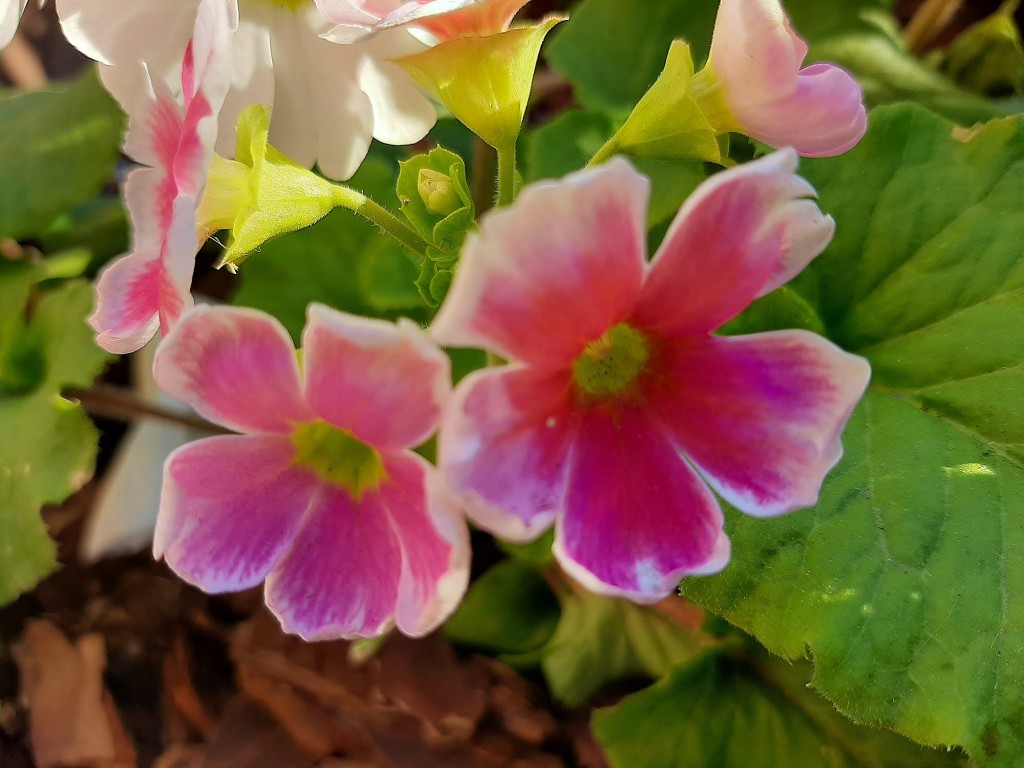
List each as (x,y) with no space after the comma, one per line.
(755,60)
(443,19)
(614,376)
(320,495)
(148,288)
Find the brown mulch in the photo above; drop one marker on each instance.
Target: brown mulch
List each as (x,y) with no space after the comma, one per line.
(120,664)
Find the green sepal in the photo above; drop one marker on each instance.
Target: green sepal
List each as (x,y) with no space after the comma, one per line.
(483,81)
(261,194)
(435,196)
(436,273)
(668,123)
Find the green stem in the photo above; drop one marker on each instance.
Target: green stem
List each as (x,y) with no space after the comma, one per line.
(507,174)
(357,202)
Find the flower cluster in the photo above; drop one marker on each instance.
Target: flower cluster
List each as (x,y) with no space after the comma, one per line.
(615,415)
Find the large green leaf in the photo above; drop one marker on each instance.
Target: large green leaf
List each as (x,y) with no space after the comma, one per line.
(49,444)
(731,710)
(906,582)
(58,148)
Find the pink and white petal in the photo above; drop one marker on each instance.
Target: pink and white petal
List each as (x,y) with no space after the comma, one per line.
(384,382)
(401,113)
(236,367)
(547,275)
(340,578)
(479,19)
(121,32)
(148,213)
(760,416)
(637,517)
(830,109)
(754,51)
(434,539)
(504,448)
(741,234)
(178,262)
(128,302)
(354,13)
(230,507)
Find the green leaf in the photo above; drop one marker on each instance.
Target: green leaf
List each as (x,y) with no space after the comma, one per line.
(738,711)
(906,582)
(61,146)
(613,50)
(335,262)
(435,196)
(600,640)
(51,444)
(510,609)
(988,57)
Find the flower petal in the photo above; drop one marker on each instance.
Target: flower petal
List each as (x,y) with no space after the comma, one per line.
(119,32)
(341,576)
(503,448)
(147,290)
(552,272)
(229,508)
(434,541)
(742,233)
(236,367)
(384,382)
(831,109)
(637,517)
(760,415)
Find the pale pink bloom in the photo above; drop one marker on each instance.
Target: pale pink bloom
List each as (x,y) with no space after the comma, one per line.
(756,56)
(148,289)
(320,495)
(329,100)
(442,19)
(614,376)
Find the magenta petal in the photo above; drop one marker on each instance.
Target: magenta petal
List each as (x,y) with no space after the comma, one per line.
(236,367)
(761,415)
(385,383)
(551,273)
(503,448)
(434,541)
(742,233)
(341,576)
(637,517)
(229,508)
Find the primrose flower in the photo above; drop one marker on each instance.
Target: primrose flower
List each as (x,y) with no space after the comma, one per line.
(320,495)
(148,288)
(442,19)
(753,84)
(329,100)
(616,392)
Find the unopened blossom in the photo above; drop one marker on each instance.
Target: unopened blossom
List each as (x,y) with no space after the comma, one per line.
(10,15)
(754,84)
(442,19)
(618,408)
(320,495)
(147,289)
(329,100)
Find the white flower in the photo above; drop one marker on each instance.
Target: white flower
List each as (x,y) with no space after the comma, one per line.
(329,100)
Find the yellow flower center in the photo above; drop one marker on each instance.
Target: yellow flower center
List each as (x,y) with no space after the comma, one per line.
(610,365)
(338,457)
